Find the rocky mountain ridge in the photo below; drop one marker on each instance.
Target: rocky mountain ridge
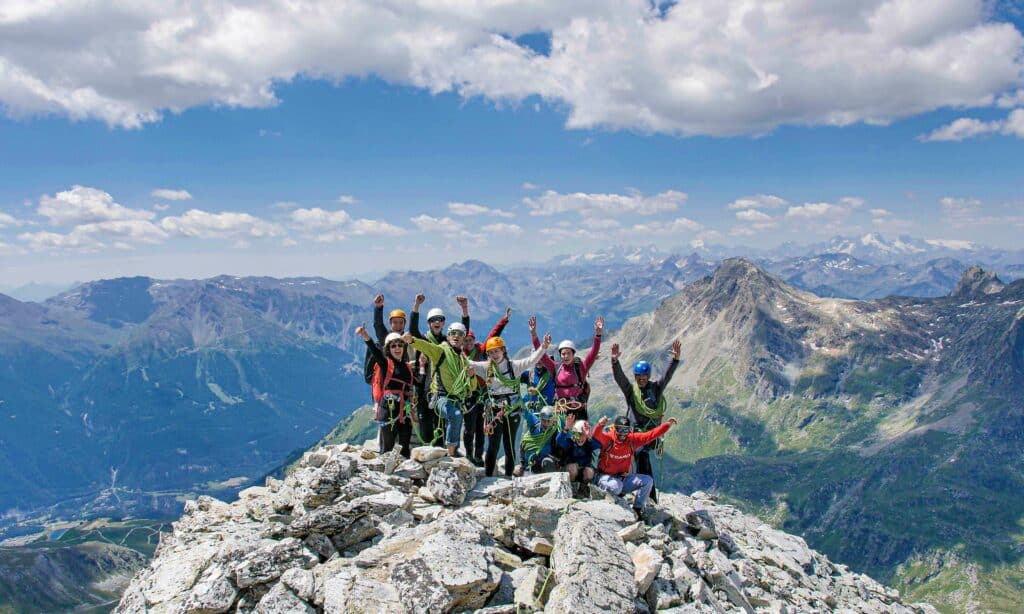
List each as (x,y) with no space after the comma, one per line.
(350,530)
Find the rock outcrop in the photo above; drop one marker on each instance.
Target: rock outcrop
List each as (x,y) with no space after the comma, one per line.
(353,531)
(976,281)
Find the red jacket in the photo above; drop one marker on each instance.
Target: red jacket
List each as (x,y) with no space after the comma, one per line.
(616,458)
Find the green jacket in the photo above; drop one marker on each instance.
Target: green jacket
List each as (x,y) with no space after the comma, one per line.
(450,367)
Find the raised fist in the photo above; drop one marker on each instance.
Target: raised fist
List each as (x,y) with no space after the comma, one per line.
(378,301)
(419,299)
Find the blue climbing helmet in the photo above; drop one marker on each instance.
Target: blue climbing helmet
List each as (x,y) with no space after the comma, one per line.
(642,367)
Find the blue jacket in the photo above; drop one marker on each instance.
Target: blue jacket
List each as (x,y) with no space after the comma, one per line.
(533,377)
(581,455)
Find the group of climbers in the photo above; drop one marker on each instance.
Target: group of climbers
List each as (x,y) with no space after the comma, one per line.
(455,387)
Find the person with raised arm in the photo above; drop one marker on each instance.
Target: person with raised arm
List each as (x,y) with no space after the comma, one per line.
(392,391)
(645,403)
(614,465)
(570,374)
(452,380)
(505,401)
(473,418)
(431,422)
(540,380)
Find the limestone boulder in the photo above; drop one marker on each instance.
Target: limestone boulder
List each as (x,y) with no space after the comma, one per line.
(593,571)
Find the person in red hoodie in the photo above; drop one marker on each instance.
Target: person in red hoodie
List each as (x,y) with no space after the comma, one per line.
(615,463)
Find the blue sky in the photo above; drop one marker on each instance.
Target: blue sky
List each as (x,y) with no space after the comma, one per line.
(338,167)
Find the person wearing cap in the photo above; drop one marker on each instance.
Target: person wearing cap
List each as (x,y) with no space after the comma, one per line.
(570,373)
(431,422)
(578,449)
(504,398)
(645,402)
(473,418)
(396,391)
(539,440)
(614,464)
(452,380)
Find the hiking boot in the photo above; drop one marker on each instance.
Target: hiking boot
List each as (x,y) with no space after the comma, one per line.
(476,460)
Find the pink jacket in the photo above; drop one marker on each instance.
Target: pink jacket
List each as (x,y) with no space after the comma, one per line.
(565,381)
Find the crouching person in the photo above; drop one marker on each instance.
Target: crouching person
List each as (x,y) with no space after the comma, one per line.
(615,464)
(577,447)
(537,446)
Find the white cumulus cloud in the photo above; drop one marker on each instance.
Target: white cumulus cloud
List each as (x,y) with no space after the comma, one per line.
(95,236)
(375,227)
(82,204)
(969,127)
(503,230)
(814,210)
(591,204)
(320,218)
(196,223)
(670,227)
(7,221)
(760,201)
(469,209)
(167,194)
(718,67)
(752,215)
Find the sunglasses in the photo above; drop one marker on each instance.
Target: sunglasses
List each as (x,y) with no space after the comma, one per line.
(435,319)
(456,334)
(396,344)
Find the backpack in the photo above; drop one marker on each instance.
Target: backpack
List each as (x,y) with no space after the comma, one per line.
(381,381)
(580,382)
(369,367)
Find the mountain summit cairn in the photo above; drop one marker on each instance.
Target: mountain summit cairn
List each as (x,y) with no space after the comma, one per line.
(350,530)
(976,281)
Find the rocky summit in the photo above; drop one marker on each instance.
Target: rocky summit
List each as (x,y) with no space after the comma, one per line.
(350,530)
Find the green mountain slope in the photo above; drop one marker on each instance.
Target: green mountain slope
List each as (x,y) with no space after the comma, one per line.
(888,433)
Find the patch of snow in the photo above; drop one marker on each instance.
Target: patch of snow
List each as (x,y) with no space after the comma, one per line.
(958,244)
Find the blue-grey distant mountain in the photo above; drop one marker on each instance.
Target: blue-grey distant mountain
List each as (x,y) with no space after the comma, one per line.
(844,276)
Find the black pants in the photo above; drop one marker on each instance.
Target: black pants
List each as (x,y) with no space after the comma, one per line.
(397,431)
(473,430)
(504,435)
(643,465)
(545,464)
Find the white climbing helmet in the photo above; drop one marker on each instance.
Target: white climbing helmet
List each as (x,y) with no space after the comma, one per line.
(456,326)
(435,313)
(391,337)
(567,344)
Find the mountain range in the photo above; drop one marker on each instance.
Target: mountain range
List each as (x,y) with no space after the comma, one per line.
(893,420)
